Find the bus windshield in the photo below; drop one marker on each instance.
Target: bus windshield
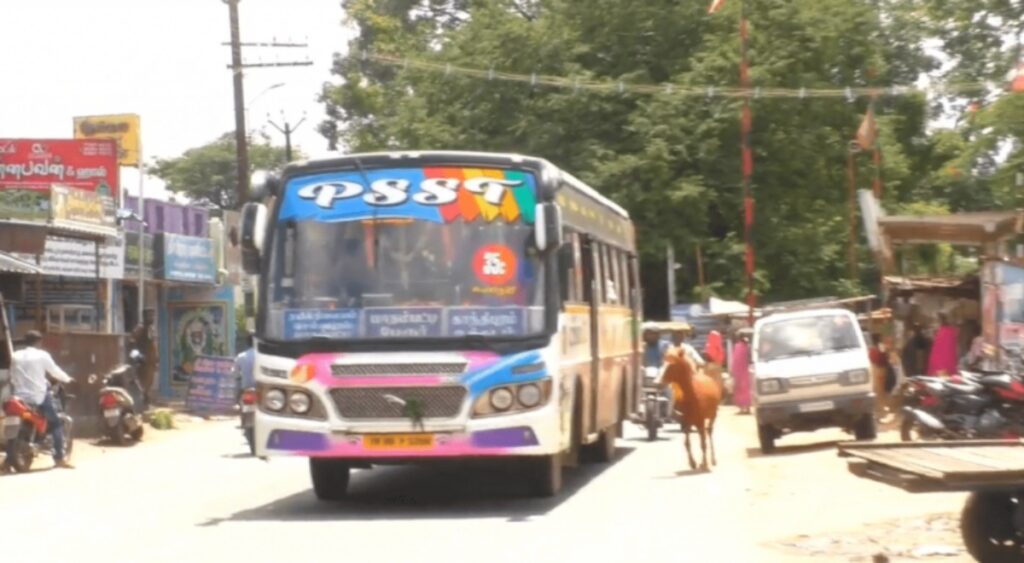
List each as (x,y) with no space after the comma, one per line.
(408,253)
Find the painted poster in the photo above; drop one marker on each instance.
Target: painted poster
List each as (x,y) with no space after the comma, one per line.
(197,329)
(1010,280)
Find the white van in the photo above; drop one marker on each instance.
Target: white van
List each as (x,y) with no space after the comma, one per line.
(811,371)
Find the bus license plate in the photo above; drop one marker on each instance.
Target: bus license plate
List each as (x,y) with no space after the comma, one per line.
(817,407)
(398,441)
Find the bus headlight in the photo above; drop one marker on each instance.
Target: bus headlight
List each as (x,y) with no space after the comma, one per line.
(299,402)
(528,395)
(274,400)
(502,399)
(508,399)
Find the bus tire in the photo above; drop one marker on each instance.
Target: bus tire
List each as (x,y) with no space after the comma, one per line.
(330,478)
(603,450)
(545,475)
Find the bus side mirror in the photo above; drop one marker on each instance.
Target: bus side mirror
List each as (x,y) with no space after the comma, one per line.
(263,183)
(547,226)
(254,230)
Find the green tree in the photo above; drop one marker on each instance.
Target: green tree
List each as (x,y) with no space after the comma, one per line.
(211,171)
(673,162)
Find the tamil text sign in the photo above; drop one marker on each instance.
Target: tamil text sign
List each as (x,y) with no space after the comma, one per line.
(212,389)
(124,129)
(29,167)
(76,258)
(187,259)
(74,207)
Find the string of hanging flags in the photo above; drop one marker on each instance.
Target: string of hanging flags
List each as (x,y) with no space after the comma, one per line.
(577,84)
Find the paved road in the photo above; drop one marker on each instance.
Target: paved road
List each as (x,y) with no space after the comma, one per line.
(195,495)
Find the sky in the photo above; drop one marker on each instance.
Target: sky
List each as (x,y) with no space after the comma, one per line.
(163,60)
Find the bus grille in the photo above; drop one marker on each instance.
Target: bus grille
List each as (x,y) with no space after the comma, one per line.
(386,402)
(346,370)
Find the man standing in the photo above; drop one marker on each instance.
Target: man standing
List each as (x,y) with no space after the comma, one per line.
(31,366)
(144,340)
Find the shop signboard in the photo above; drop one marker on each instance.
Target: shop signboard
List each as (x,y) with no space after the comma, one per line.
(29,167)
(196,330)
(186,259)
(211,388)
(71,207)
(131,255)
(124,129)
(76,258)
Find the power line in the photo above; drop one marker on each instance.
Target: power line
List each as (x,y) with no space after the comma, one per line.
(851,93)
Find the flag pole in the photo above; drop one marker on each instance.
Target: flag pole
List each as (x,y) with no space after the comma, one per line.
(746,124)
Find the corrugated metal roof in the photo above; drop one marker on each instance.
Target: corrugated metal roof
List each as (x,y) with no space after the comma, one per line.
(12,265)
(969,228)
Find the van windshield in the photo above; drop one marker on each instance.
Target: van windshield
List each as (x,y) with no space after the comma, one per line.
(807,337)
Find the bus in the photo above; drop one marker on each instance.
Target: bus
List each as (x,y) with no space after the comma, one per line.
(417,307)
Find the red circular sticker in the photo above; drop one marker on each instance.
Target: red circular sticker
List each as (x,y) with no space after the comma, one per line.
(495,264)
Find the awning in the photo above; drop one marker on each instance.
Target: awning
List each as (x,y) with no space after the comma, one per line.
(975,229)
(11,265)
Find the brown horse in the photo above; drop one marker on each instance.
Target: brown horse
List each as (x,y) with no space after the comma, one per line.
(697,397)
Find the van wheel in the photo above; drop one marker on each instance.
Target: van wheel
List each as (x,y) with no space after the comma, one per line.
(865,428)
(545,474)
(987,528)
(330,478)
(766,435)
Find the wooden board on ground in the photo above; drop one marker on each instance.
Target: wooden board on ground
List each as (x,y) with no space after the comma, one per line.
(940,466)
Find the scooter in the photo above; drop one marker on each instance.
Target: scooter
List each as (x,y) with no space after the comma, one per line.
(120,402)
(29,429)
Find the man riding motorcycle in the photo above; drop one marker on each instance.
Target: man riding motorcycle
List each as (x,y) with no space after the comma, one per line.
(654,352)
(31,366)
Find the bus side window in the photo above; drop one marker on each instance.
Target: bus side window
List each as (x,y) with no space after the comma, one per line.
(575,294)
(591,265)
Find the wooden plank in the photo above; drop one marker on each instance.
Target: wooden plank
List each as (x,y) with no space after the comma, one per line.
(899,462)
(982,457)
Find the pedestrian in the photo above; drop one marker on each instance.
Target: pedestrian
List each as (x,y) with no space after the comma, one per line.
(915,351)
(879,365)
(739,365)
(244,363)
(32,365)
(944,358)
(715,354)
(144,340)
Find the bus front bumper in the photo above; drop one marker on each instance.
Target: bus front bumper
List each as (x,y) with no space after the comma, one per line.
(532,433)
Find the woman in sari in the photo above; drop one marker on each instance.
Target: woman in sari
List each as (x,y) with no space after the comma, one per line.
(740,367)
(944,358)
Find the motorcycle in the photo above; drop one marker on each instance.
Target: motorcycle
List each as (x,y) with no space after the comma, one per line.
(28,428)
(120,401)
(989,405)
(657,409)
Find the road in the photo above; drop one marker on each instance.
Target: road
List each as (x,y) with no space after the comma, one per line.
(193,494)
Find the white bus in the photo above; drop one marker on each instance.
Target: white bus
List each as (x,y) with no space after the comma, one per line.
(416,307)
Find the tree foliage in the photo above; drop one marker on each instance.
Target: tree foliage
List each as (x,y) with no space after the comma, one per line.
(211,171)
(672,162)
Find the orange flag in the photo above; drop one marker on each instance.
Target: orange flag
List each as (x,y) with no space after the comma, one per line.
(715,6)
(867,131)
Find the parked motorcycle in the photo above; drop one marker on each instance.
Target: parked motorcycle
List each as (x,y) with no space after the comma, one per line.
(121,400)
(977,406)
(28,427)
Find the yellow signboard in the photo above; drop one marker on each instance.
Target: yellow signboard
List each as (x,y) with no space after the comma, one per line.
(122,128)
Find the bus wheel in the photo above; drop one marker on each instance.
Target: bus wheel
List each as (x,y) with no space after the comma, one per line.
(545,475)
(330,478)
(603,450)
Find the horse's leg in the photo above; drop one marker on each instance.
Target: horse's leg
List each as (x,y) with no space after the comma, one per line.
(711,439)
(689,454)
(702,431)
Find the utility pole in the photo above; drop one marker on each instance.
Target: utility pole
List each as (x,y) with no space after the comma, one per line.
(241,144)
(287,131)
(237,66)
